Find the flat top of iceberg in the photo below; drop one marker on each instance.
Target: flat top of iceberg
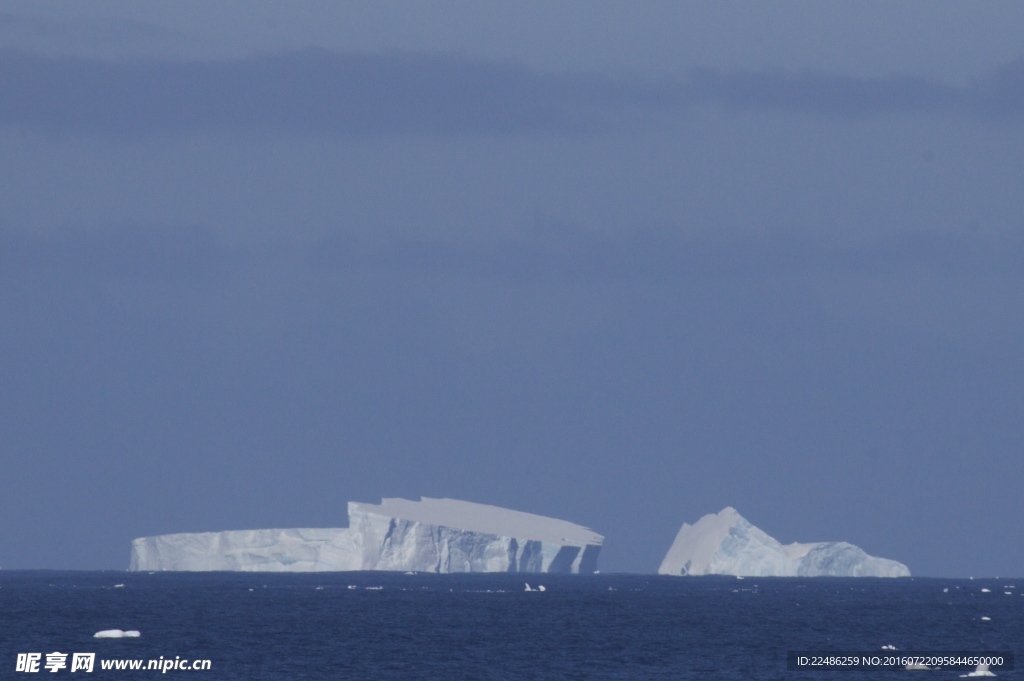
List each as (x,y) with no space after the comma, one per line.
(472,517)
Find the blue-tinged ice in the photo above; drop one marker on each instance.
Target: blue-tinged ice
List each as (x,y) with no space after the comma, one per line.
(430,535)
(727,544)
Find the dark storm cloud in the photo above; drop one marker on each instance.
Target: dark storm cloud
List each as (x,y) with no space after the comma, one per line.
(312,91)
(356,94)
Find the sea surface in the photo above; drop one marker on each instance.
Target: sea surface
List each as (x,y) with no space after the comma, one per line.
(477,627)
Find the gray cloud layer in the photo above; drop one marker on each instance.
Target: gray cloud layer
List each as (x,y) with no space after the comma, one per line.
(356,94)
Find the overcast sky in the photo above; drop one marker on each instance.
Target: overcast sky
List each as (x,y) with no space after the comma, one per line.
(618,263)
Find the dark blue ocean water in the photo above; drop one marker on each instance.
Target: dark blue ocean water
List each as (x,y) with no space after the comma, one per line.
(317,626)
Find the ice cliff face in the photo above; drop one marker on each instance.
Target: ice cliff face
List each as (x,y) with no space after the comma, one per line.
(726,544)
(298,550)
(431,535)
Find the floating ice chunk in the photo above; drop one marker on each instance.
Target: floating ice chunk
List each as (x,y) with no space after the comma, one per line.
(946,590)
(986,619)
(116,633)
(980,670)
(541,588)
(119,586)
(888,646)
(985,591)
(916,666)
(528,588)
(1008,593)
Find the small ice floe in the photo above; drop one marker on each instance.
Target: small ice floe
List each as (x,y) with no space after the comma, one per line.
(739,576)
(611,588)
(410,572)
(116,633)
(119,586)
(528,587)
(980,670)
(985,619)
(319,588)
(352,586)
(946,590)
(986,591)
(888,646)
(541,588)
(374,588)
(1008,593)
(914,666)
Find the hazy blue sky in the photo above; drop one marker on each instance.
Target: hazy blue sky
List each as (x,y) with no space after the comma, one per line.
(619,263)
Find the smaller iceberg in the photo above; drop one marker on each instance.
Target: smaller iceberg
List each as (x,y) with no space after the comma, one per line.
(725,543)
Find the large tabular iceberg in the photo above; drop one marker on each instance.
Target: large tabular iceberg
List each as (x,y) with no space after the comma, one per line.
(431,535)
(726,544)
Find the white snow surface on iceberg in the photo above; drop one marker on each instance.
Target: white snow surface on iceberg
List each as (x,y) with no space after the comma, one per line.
(293,550)
(725,543)
(430,535)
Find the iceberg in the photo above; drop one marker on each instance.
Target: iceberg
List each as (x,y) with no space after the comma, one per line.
(293,550)
(430,535)
(725,543)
